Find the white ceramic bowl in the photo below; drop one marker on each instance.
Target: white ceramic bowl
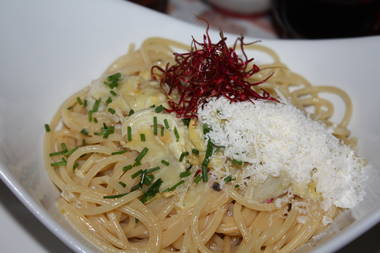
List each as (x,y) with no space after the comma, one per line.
(50,49)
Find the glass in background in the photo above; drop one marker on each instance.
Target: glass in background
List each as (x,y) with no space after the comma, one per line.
(315,19)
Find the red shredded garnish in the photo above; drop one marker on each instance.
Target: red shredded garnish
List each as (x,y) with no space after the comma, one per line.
(208,70)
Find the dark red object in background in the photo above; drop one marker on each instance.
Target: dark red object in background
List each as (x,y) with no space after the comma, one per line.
(326,18)
(158,5)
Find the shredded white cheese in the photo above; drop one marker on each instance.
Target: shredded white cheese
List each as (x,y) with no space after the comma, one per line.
(276,138)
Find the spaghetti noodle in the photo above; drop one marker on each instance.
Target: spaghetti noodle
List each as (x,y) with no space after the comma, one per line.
(129,172)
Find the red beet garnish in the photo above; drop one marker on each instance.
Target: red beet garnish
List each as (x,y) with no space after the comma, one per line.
(208,70)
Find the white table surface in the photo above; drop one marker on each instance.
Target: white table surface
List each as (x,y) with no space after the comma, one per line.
(21,232)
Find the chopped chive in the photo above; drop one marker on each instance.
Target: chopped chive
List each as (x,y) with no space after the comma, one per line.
(228,179)
(237,162)
(142,137)
(119,152)
(155,125)
(146,179)
(113,93)
(90,115)
(115,196)
(76,165)
(64,146)
(166,123)
(162,131)
(47,128)
(206,128)
(197,179)
(131,112)
(137,173)
(84,132)
(136,187)
(195,151)
(141,155)
(152,191)
(112,111)
(128,167)
(106,131)
(186,122)
(185,174)
(113,80)
(122,184)
(57,153)
(71,107)
(69,152)
(62,162)
(95,107)
(152,106)
(95,120)
(84,102)
(108,101)
(164,162)
(153,169)
(170,189)
(206,160)
(176,134)
(79,100)
(182,156)
(129,133)
(159,109)
(237,186)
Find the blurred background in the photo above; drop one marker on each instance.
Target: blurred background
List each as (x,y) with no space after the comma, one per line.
(309,19)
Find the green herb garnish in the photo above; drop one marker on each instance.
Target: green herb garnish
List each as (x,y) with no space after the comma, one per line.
(112,81)
(112,111)
(185,174)
(79,100)
(62,162)
(84,132)
(164,162)
(108,101)
(155,125)
(128,167)
(176,134)
(237,162)
(166,123)
(159,109)
(186,122)
(122,184)
(47,128)
(142,137)
(229,179)
(170,189)
(115,196)
(131,112)
(195,151)
(206,128)
(119,152)
(129,133)
(152,191)
(206,160)
(162,131)
(106,131)
(182,156)
(113,93)
(95,107)
(141,156)
(197,179)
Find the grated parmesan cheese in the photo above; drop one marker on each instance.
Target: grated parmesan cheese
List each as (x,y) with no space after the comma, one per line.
(276,138)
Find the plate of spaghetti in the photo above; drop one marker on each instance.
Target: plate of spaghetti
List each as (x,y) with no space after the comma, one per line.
(191,141)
